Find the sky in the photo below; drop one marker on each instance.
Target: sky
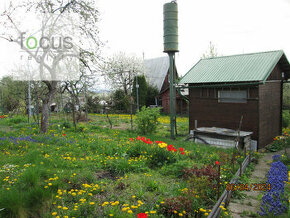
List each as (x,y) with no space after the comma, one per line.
(233,26)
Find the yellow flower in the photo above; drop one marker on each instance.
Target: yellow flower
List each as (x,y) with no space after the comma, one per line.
(175,211)
(130,211)
(152,211)
(54,213)
(133,196)
(111,214)
(65,208)
(59,207)
(50,184)
(92,203)
(180,214)
(206,214)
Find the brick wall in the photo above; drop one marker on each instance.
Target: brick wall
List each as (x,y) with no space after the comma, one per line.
(209,112)
(270,112)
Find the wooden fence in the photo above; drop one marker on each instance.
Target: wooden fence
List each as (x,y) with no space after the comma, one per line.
(226,195)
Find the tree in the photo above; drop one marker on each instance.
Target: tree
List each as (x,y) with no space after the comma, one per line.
(211,53)
(142,90)
(48,58)
(152,93)
(121,101)
(93,104)
(120,71)
(13,95)
(286,96)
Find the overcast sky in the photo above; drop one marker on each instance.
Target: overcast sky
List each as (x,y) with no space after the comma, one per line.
(234,26)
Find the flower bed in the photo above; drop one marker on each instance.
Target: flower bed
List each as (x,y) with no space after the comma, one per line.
(102,172)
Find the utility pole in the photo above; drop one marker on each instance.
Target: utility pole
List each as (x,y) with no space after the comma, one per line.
(137,92)
(170,36)
(171,91)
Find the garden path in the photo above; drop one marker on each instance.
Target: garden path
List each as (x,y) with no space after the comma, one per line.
(250,205)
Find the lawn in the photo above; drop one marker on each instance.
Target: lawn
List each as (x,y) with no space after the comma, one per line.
(95,171)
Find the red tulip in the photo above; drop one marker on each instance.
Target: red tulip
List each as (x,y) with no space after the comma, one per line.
(182,153)
(64,134)
(217,163)
(142,215)
(131,139)
(181,149)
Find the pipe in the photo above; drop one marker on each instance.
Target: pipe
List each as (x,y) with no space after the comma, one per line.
(181,95)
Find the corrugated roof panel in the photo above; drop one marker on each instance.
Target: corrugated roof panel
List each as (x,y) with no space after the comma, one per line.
(236,68)
(156,70)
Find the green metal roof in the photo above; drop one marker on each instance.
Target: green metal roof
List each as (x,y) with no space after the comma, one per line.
(235,68)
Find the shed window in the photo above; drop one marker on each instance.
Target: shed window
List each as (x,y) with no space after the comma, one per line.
(229,96)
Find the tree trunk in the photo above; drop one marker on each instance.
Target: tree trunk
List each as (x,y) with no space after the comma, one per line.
(45,105)
(44,116)
(74,113)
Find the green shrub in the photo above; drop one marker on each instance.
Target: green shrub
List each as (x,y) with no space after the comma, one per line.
(280,142)
(160,157)
(17,119)
(286,118)
(147,120)
(122,165)
(66,124)
(175,169)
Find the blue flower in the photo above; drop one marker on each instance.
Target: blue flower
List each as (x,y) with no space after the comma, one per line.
(273,200)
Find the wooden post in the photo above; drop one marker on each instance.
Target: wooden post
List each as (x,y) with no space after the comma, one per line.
(218,180)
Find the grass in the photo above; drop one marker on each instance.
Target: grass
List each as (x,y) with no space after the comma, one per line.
(95,171)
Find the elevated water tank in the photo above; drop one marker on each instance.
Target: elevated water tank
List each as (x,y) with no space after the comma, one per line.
(170,27)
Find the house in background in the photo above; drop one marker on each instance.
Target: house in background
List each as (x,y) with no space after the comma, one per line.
(223,89)
(156,71)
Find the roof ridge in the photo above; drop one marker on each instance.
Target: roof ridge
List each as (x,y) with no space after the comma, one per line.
(243,54)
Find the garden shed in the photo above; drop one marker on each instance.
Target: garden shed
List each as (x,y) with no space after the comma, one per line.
(222,89)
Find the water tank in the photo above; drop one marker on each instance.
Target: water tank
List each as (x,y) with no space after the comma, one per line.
(170,27)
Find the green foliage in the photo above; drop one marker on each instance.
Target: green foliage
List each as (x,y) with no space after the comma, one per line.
(160,157)
(286,118)
(13,94)
(142,90)
(121,166)
(279,143)
(121,101)
(93,104)
(175,169)
(152,92)
(66,124)
(286,96)
(17,119)
(147,120)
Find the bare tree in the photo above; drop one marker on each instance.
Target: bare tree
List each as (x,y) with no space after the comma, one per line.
(49,59)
